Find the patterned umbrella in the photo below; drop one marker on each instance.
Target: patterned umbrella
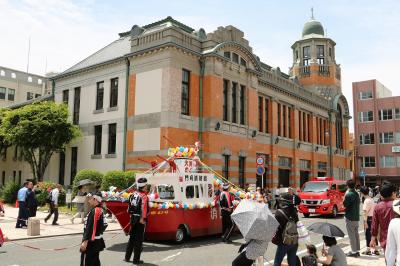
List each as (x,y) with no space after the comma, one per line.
(255,220)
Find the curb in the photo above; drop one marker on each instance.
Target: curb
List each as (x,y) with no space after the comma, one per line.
(49,236)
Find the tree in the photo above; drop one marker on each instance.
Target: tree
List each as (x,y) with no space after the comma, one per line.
(3,143)
(39,129)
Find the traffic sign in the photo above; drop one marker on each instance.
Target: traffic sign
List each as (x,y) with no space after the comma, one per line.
(260,160)
(260,170)
(362,174)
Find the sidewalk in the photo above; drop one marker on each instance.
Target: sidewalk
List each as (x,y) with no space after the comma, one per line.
(363,260)
(46,229)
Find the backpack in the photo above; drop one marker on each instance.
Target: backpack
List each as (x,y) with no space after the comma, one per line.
(290,236)
(49,198)
(135,204)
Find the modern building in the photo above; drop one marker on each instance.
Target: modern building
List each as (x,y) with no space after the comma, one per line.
(178,85)
(377,131)
(18,86)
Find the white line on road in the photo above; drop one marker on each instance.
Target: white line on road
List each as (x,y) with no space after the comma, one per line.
(317,246)
(171,257)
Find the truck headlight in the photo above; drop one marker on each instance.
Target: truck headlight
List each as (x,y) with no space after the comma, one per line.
(326,201)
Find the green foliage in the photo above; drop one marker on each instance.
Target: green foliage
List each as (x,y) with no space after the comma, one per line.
(91,174)
(114,178)
(130,177)
(3,143)
(9,192)
(42,191)
(39,129)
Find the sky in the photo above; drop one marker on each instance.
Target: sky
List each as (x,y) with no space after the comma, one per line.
(63,32)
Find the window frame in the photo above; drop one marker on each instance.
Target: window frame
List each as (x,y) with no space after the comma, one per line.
(234,102)
(225,100)
(65,96)
(114,84)
(1,93)
(371,162)
(361,117)
(384,161)
(385,114)
(100,95)
(225,170)
(363,95)
(112,138)
(367,136)
(385,137)
(185,93)
(98,131)
(242,104)
(11,96)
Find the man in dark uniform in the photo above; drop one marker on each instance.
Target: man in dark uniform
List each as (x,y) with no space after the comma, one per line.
(139,210)
(226,203)
(95,225)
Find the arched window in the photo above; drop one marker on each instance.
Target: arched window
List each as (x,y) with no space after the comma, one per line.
(39,81)
(2,73)
(29,79)
(13,75)
(339,127)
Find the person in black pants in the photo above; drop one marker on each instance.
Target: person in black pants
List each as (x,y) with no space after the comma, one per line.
(31,201)
(139,210)
(226,204)
(95,225)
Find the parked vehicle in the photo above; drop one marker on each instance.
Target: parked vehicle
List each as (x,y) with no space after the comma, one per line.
(323,195)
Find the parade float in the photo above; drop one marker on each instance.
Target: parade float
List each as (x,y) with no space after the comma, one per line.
(182,198)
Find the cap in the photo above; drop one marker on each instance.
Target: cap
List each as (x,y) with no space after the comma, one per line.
(225,186)
(396,206)
(141,182)
(97,196)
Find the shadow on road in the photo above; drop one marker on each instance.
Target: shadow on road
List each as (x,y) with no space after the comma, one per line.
(168,245)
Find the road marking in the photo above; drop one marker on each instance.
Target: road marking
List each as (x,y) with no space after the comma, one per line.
(317,246)
(171,257)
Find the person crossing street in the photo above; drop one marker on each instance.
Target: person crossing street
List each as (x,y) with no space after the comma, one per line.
(226,203)
(139,211)
(95,225)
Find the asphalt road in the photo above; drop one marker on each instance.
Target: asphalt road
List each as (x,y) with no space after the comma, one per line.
(200,251)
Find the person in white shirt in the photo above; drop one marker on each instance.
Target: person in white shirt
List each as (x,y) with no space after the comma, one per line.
(392,253)
(55,192)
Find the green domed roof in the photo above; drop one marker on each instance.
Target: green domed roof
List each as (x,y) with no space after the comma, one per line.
(313,27)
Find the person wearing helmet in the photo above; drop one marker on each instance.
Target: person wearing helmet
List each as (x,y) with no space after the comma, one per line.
(139,211)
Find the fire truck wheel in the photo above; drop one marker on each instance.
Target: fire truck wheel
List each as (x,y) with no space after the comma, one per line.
(334,211)
(306,215)
(180,235)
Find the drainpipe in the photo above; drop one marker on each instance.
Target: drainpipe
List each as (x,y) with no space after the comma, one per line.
(125,114)
(200,135)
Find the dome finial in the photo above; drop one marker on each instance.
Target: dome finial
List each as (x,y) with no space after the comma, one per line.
(312,12)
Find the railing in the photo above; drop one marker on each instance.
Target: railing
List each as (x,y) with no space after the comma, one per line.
(323,70)
(305,71)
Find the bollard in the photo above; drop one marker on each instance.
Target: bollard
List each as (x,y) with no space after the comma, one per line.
(33,226)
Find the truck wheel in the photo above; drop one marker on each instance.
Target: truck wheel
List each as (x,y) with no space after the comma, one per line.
(306,215)
(334,211)
(180,235)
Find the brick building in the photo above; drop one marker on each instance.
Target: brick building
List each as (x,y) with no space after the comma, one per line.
(188,85)
(377,132)
(180,83)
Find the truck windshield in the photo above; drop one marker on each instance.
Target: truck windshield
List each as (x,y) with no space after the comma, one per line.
(166,192)
(316,187)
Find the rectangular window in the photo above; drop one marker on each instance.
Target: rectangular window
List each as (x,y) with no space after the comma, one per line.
(11,94)
(322,165)
(306,52)
(225,171)
(185,92)
(243,62)
(112,138)
(37,95)
(397,137)
(2,93)
(386,114)
(284,107)
(235,58)
(65,96)
(320,51)
(366,116)
(285,161)
(364,95)
(77,103)
(242,103)
(305,164)
(114,92)
(61,169)
(225,104)
(266,116)
(397,113)
(368,161)
(386,137)
(99,95)
(289,114)
(242,163)
(234,102)
(279,120)
(260,114)
(388,161)
(74,163)
(368,138)
(97,139)
(29,96)
(227,55)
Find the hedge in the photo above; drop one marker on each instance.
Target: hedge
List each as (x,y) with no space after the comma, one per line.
(91,174)
(114,178)
(42,193)
(9,192)
(130,177)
